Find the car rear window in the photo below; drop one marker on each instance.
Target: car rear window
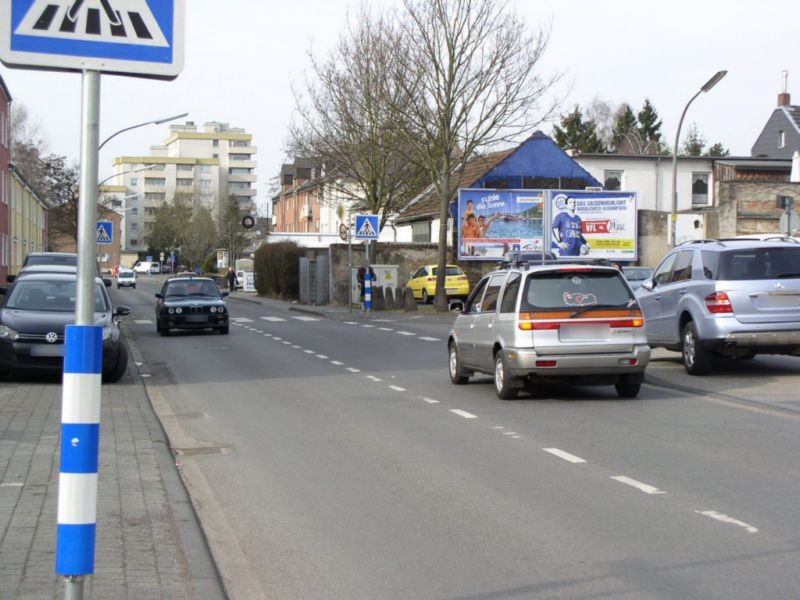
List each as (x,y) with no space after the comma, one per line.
(450,271)
(562,289)
(44,259)
(759,263)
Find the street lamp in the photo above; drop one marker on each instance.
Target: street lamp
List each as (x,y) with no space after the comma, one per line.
(674,216)
(154,122)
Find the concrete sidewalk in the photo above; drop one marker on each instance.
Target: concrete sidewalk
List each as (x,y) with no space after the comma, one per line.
(148,543)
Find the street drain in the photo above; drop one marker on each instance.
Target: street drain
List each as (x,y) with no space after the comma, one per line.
(198,450)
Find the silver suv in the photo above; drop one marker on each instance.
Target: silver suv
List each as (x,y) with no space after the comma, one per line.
(724,298)
(573,323)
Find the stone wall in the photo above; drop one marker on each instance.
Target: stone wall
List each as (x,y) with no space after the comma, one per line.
(748,207)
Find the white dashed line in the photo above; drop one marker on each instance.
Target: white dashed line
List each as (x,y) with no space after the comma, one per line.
(242,320)
(397,388)
(428,400)
(296,347)
(306,318)
(373,378)
(274,319)
(350,322)
(322,356)
(565,455)
(143,321)
(406,333)
(286,343)
(353,370)
(509,433)
(462,413)
(308,351)
(647,489)
(337,363)
(385,329)
(726,519)
(430,339)
(368,326)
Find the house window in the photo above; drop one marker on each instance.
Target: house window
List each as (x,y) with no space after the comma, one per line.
(134,227)
(155,181)
(421,232)
(185,168)
(699,189)
(134,242)
(134,181)
(215,143)
(185,182)
(612,180)
(781,139)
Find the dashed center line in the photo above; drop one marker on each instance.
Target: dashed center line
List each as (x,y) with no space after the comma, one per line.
(463,413)
(428,400)
(385,329)
(322,356)
(647,489)
(353,370)
(397,388)
(429,339)
(729,520)
(274,319)
(373,378)
(308,351)
(565,455)
(406,333)
(337,363)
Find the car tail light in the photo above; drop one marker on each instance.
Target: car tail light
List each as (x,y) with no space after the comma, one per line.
(545,363)
(718,303)
(630,362)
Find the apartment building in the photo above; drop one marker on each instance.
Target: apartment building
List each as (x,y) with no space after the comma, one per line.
(5,136)
(27,216)
(205,166)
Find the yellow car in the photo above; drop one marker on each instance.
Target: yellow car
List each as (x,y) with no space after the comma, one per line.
(423,283)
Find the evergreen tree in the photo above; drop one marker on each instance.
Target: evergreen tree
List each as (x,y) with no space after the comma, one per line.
(718,150)
(694,142)
(577,134)
(624,126)
(649,128)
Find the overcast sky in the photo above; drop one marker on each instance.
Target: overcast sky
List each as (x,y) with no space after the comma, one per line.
(242,56)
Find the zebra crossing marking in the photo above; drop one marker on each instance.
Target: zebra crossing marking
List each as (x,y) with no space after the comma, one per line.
(274,319)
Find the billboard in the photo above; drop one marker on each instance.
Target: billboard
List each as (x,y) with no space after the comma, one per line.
(493,223)
(592,224)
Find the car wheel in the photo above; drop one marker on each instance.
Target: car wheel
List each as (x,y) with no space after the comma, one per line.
(224,330)
(696,359)
(163,330)
(503,385)
(133,286)
(628,386)
(425,297)
(458,375)
(120,367)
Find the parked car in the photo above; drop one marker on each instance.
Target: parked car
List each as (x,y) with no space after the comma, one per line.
(724,298)
(143,267)
(33,315)
(191,303)
(423,283)
(636,275)
(155,269)
(126,278)
(533,322)
(54,262)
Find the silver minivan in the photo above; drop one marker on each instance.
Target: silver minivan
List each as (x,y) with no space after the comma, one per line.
(572,323)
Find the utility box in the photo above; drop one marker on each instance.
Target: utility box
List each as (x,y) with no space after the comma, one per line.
(314,280)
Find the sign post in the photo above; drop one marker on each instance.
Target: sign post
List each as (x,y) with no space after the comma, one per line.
(367,228)
(134,37)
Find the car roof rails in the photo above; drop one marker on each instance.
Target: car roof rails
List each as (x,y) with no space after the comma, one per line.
(704,241)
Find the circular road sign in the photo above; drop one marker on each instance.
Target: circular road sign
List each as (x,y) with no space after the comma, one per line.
(343,232)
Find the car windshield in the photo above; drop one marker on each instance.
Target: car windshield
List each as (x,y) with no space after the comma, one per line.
(575,291)
(759,263)
(196,287)
(637,273)
(52,296)
(50,259)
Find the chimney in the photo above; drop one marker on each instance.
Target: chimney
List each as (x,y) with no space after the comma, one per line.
(783,98)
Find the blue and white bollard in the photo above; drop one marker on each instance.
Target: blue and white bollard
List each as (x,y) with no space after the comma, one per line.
(80,450)
(367,291)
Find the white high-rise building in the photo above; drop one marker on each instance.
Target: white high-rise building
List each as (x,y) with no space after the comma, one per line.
(207,166)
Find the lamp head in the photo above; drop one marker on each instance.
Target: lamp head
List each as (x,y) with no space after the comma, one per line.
(713,81)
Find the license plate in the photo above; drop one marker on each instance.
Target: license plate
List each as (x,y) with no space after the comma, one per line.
(451,291)
(584,332)
(42,350)
(197,319)
(768,301)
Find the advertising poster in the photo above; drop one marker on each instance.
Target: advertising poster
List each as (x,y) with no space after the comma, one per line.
(593,224)
(492,223)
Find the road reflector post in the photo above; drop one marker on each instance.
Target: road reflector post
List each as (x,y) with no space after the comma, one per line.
(367,291)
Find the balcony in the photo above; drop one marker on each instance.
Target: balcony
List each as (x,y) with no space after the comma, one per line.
(251,178)
(242,149)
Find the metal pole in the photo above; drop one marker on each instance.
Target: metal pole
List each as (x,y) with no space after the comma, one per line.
(674,214)
(349,262)
(81,389)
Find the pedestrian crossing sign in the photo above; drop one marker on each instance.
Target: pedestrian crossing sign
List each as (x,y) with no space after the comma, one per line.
(138,37)
(367,227)
(105,232)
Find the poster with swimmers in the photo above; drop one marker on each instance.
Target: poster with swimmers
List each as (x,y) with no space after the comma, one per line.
(494,223)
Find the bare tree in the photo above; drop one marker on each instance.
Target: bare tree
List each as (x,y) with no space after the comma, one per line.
(348,122)
(602,113)
(470,81)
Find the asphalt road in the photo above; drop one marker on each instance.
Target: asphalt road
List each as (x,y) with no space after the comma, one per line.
(334,459)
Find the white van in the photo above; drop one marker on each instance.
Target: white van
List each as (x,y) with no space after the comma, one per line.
(144,266)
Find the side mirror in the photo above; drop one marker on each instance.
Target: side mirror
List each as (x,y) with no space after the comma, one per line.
(122,310)
(648,284)
(159,296)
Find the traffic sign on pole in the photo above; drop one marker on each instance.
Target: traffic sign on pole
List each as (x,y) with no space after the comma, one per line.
(367,227)
(105,232)
(110,36)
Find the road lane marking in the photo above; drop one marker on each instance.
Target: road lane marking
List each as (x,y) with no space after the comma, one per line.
(296,347)
(565,455)
(429,339)
(308,351)
(428,400)
(726,519)
(385,329)
(306,318)
(406,333)
(286,343)
(277,339)
(143,321)
(373,378)
(397,388)
(463,413)
(337,363)
(242,320)
(647,489)
(322,356)
(274,319)
(350,322)
(352,370)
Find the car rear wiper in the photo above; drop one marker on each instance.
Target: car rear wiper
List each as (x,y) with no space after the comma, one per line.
(600,306)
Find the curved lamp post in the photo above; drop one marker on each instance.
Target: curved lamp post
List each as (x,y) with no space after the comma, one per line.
(674,216)
(154,122)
